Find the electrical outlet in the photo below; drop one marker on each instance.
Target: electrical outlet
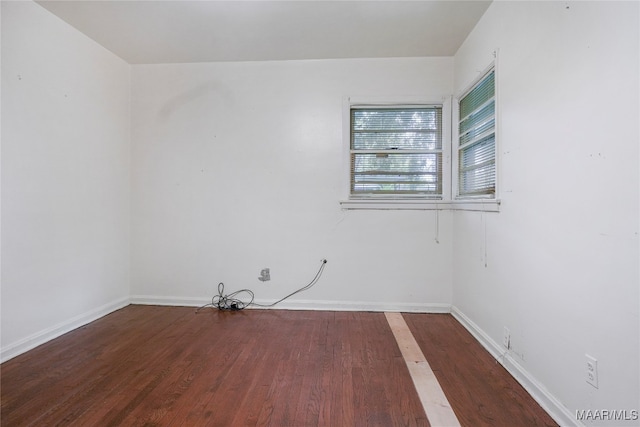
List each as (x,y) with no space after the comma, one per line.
(506,338)
(592,371)
(265,275)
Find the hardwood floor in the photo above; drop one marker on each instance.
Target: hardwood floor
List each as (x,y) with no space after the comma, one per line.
(480,391)
(167,366)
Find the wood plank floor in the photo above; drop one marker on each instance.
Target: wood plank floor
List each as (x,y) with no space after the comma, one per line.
(167,366)
(480,391)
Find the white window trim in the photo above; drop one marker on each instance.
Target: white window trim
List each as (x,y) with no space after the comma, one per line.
(375,202)
(480,205)
(455,136)
(446,202)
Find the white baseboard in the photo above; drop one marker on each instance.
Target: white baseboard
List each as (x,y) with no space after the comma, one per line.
(171,301)
(304,304)
(540,394)
(34,340)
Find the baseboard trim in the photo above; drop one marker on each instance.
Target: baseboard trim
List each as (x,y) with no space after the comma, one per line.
(170,301)
(317,305)
(540,394)
(39,338)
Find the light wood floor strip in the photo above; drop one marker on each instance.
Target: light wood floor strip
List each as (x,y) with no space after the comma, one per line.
(435,403)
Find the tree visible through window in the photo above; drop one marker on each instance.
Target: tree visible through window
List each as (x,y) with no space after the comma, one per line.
(396,151)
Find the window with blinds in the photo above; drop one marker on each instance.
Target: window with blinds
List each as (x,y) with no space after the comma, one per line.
(477,140)
(396,151)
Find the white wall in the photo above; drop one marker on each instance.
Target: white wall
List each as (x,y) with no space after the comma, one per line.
(241,166)
(562,255)
(65,178)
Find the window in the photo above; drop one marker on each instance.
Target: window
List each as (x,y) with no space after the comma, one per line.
(396,152)
(477,140)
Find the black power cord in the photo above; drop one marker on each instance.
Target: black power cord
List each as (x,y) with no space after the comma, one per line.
(231,302)
(228,302)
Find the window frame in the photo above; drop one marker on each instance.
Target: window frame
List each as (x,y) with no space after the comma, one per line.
(455,142)
(397,201)
(449,200)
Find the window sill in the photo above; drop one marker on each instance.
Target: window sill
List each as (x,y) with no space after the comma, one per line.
(480,205)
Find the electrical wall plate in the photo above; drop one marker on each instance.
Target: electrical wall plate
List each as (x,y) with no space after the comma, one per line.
(265,275)
(592,370)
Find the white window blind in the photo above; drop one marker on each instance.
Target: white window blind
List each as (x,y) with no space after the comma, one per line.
(396,151)
(477,140)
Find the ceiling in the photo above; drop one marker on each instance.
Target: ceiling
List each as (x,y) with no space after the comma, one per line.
(172,31)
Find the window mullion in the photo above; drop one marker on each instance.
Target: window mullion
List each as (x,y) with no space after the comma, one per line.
(394,151)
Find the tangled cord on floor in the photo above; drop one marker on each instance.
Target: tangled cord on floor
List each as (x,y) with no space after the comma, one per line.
(231,302)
